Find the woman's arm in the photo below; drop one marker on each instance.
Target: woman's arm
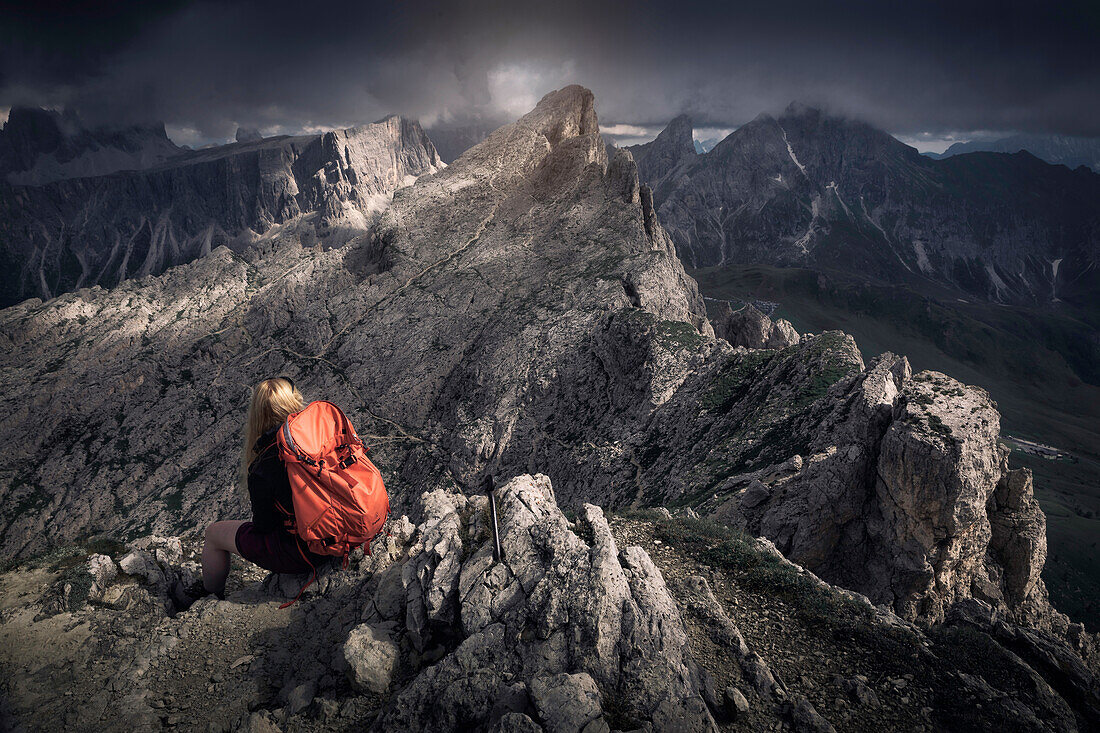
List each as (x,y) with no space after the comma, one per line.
(262,490)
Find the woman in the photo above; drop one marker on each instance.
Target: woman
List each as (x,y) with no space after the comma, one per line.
(265,540)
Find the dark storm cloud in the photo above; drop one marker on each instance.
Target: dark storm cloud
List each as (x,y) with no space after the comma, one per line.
(908,67)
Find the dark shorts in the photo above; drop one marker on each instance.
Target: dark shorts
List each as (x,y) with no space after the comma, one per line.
(279,552)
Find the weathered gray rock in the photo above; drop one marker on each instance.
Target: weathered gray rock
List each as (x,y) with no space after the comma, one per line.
(536,243)
(736,703)
(423,327)
(102,569)
(372,657)
(300,698)
(142,565)
(858,691)
(807,720)
(259,722)
(752,329)
(431,577)
(39,146)
(515,723)
(674,145)
(1018,536)
(436,282)
(589,617)
(102,229)
(938,466)
(566,703)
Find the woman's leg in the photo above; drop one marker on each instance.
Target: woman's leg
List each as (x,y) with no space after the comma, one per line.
(221,539)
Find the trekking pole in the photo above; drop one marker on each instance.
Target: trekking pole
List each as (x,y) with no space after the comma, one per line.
(490,487)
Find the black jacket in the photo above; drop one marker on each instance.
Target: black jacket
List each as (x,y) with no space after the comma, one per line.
(268,484)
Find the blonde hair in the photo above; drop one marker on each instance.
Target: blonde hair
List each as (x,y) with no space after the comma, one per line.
(273,400)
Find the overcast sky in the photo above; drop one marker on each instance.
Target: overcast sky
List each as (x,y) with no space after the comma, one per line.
(928,72)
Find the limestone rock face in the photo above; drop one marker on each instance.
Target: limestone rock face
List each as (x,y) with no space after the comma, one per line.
(752,329)
(904,495)
(567,703)
(935,510)
(571,631)
(672,146)
(1017,533)
(423,331)
(39,146)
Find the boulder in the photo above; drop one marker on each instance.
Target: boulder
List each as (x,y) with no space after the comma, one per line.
(566,703)
(103,570)
(300,698)
(142,565)
(372,657)
(737,706)
(752,329)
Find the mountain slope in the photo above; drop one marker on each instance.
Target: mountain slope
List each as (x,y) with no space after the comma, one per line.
(659,157)
(523,304)
(520,311)
(101,230)
(808,189)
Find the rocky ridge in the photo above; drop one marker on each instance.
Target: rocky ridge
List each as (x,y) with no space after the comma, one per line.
(750,328)
(577,629)
(532,243)
(62,234)
(1066,150)
(521,310)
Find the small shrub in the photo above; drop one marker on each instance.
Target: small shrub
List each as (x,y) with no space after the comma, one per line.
(937,425)
(645,515)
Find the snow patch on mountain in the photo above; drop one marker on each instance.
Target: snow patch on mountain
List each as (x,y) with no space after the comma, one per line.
(922,257)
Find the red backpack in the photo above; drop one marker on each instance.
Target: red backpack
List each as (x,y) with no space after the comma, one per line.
(339,499)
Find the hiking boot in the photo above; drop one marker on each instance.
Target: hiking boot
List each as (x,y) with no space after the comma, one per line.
(186,597)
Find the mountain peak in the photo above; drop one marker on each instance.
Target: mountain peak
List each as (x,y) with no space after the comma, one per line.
(678,134)
(566,112)
(801,109)
(672,146)
(248,135)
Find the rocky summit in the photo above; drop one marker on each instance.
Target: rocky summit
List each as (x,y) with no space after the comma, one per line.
(789,538)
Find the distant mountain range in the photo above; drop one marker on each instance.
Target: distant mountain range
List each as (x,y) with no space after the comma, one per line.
(705,146)
(39,146)
(812,190)
(80,208)
(1059,149)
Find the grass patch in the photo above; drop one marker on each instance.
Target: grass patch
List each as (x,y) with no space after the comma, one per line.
(829,375)
(677,335)
(67,556)
(645,515)
(734,380)
(762,572)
